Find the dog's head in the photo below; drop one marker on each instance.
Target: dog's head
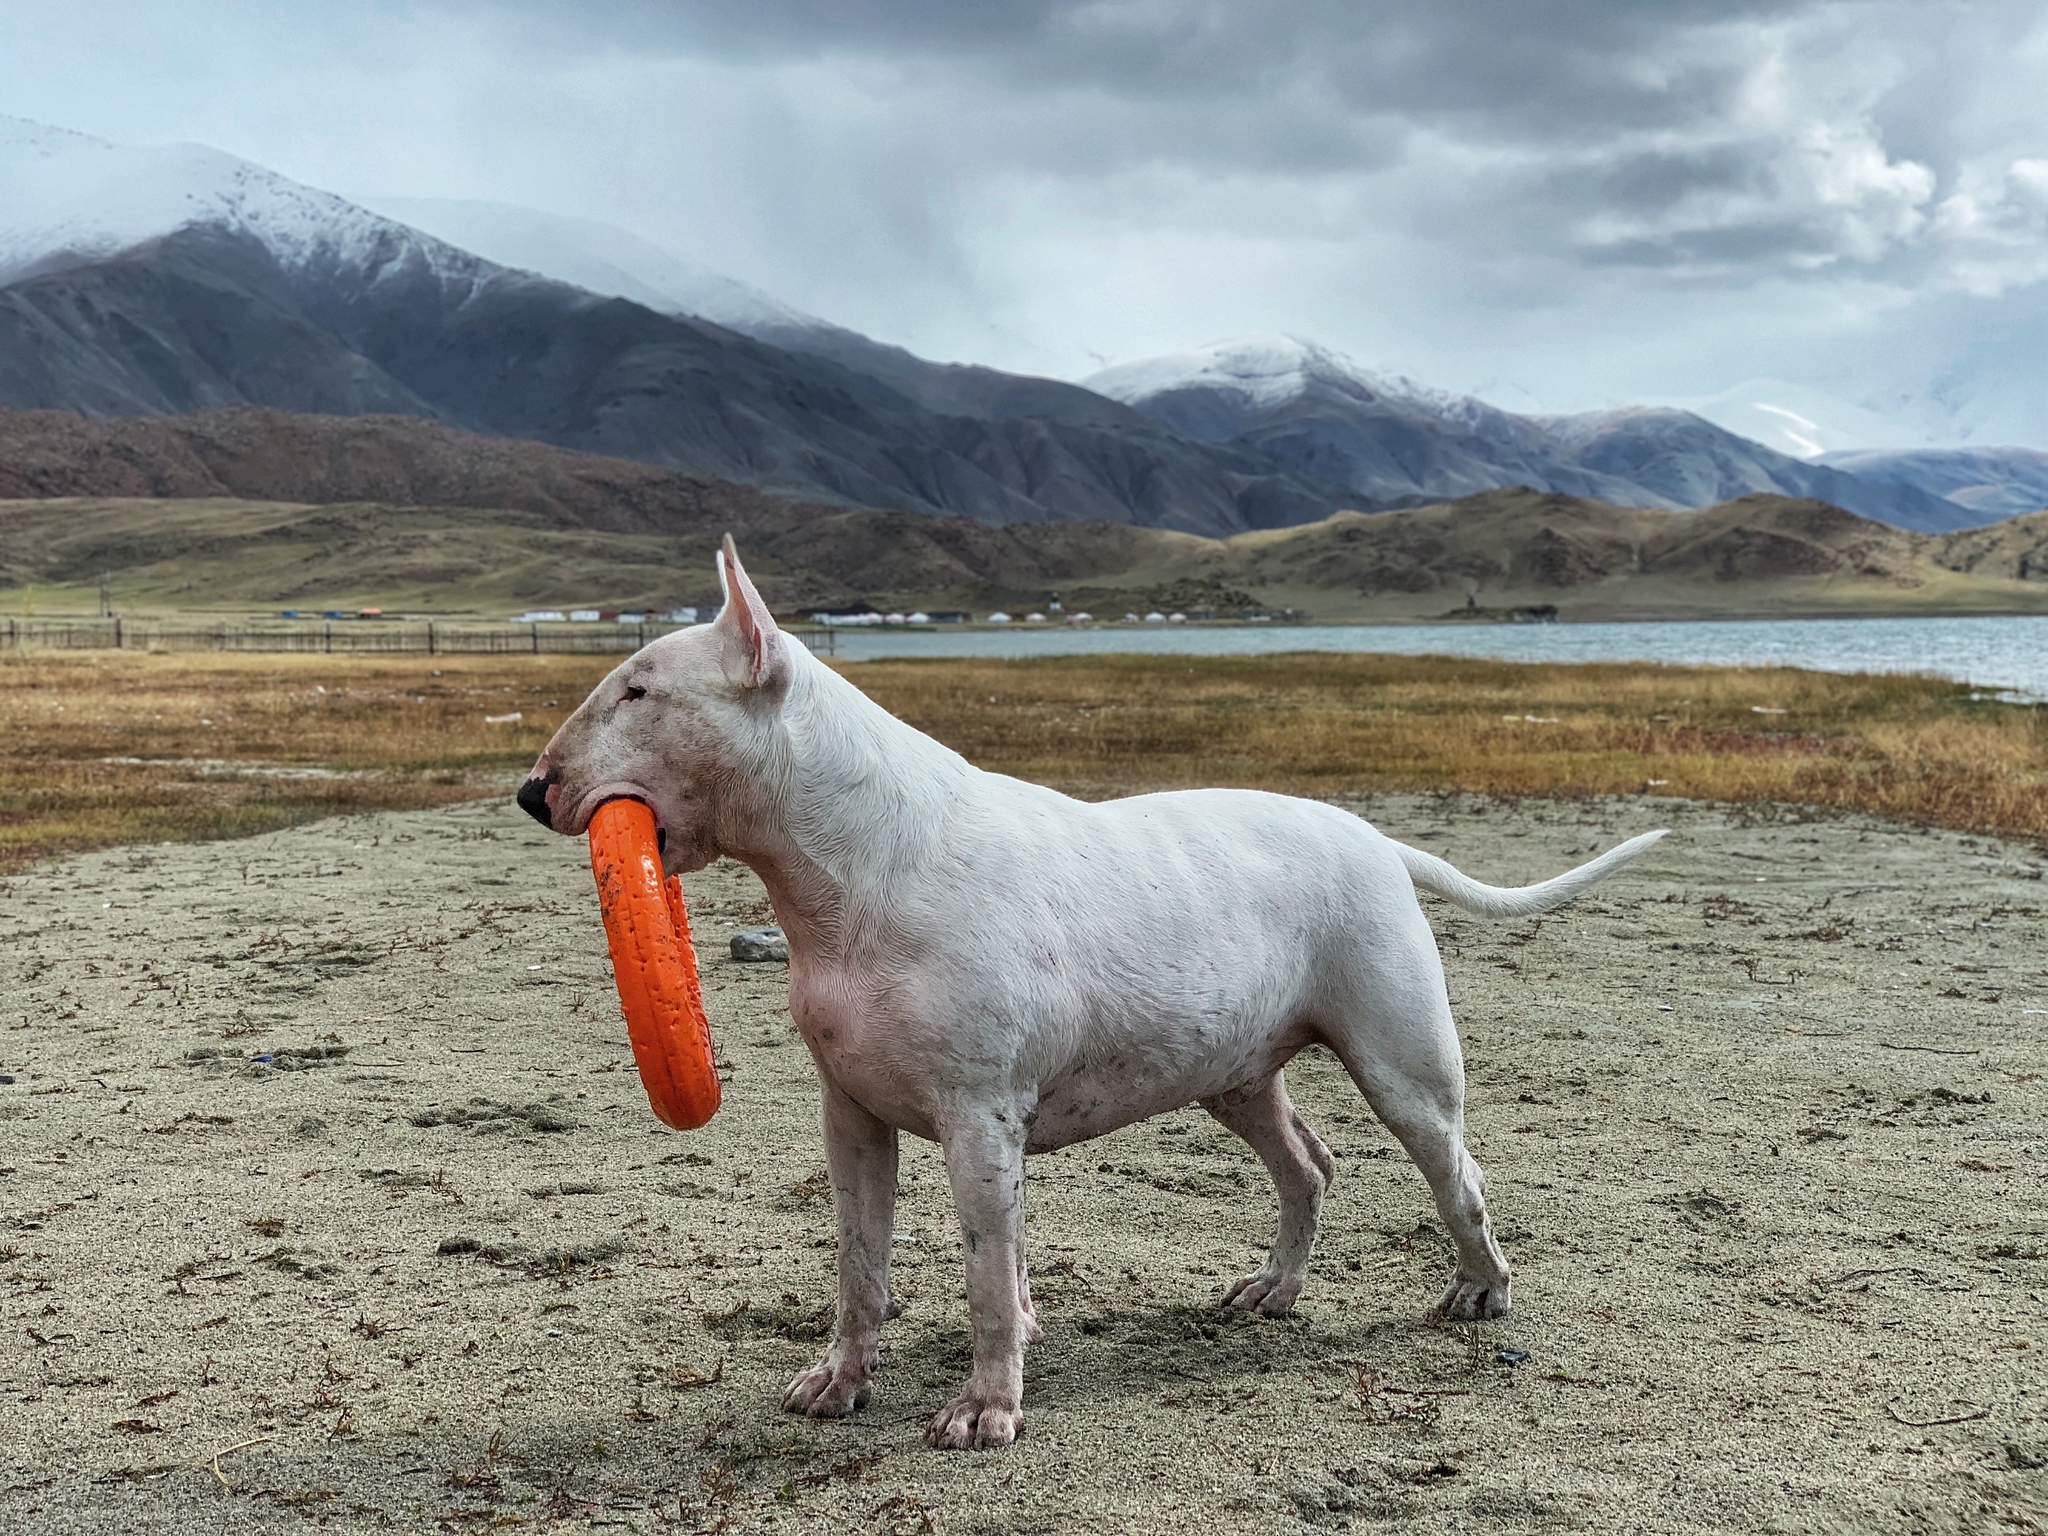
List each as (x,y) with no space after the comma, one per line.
(674,725)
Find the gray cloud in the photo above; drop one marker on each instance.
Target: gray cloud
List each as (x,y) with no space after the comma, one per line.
(1722,135)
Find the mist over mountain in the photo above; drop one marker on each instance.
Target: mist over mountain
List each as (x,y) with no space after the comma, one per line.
(1993,482)
(161,281)
(590,254)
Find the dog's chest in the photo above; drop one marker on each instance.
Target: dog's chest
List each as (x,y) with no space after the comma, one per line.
(893,1065)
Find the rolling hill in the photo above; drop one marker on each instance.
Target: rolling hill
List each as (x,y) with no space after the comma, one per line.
(1487,555)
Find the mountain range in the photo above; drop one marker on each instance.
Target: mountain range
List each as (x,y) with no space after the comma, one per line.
(151,282)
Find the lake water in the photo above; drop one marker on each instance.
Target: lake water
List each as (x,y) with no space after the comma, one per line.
(1998,653)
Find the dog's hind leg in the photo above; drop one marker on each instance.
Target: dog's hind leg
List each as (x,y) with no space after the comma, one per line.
(1400,1045)
(860,1152)
(1301,1168)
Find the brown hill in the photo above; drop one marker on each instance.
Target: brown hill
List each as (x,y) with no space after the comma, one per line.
(2014,550)
(1528,541)
(244,507)
(253,454)
(1522,548)
(1500,551)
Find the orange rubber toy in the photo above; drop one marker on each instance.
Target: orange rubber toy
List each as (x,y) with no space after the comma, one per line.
(653,965)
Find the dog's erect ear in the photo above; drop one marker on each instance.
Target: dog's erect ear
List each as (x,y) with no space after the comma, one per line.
(747,623)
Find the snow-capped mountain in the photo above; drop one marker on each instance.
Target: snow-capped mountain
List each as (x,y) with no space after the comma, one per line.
(1243,376)
(143,282)
(68,197)
(1398,443)
(590,254)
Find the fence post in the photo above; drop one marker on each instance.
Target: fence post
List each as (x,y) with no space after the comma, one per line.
(327,638)
(536,639)
(117,634)
(430,637)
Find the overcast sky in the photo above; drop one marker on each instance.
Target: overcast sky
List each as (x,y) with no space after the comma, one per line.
(1556,204)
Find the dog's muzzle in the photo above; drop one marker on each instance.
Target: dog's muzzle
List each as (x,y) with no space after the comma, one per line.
(533,799)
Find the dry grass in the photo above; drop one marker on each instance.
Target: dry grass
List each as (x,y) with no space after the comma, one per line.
(1912,748)
(115,747)
(107,748)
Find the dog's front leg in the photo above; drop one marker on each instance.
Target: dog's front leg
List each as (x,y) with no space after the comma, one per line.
(860,1152)
(985,1165)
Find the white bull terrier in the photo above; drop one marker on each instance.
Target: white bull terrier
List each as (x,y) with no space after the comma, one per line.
(1003,970)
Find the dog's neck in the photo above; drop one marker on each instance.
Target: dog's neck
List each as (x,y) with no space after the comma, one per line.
(837,795)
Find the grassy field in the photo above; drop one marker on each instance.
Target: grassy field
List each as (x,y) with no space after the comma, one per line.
(111,748)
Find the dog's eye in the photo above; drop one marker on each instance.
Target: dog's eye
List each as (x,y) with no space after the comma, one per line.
(635,691)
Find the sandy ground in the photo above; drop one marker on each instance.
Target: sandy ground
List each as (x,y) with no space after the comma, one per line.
(1765,1121)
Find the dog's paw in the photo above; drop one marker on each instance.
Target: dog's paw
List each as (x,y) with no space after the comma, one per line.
(831,1389)
(970,1423)
(1472,1300)
(1268,1292)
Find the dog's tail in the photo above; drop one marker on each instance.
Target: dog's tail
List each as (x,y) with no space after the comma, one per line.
(1436,876)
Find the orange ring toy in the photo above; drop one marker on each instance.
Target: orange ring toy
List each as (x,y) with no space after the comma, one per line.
(654,966)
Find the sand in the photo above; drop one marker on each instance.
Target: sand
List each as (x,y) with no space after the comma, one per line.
(1765,1121)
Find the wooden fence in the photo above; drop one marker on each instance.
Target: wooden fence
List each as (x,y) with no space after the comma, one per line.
(345,636)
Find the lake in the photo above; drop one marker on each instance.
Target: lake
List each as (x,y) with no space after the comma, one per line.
(2001,653)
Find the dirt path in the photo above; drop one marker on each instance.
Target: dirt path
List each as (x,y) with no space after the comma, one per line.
(1766,1124)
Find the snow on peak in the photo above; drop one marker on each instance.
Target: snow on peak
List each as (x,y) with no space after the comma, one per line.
(1265,371)
(65,195)
(600,257)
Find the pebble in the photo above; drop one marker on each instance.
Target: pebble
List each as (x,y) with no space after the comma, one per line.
(760,944)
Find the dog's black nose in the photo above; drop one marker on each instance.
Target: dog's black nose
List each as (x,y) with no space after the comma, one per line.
(533,799)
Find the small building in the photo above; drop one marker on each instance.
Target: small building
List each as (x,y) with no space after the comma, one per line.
(999,617)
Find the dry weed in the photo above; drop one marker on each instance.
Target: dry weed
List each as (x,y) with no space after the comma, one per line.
(106,748)
(1914,748)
